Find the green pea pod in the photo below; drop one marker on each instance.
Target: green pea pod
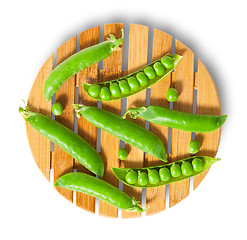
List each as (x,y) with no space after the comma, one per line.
(93,186)
(123,129)
(120,173)
(176,119)
(78,62)
(67,139)
(148,82)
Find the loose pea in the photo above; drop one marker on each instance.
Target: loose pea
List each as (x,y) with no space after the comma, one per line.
(194,146)
(131,177)
(105,93)
(133,83)
(153,176)
(142,78)
(186,169)
(57,108)
(175,170)
(142,178)
(122,154)
(115,90)
(172,95)
(167,62)
(124,87)
(94,90)
(150,73)
(165,174)
(197,164)
(159,68)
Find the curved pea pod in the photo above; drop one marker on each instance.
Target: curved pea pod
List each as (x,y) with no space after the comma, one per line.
(67,139)
(78,62)
(98,188)
(176,119)
(120,173)
(175,59)
(123,129)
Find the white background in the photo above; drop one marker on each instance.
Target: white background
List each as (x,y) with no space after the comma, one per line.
(31,30)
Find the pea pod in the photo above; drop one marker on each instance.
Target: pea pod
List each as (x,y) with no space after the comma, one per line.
(123,129)
(98,188)
(200,164)
(176,119)
(146,77)
(67,139)
(79,61)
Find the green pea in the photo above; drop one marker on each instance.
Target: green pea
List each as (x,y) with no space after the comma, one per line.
(165,174)
(105,93)
(115,90)
(175,170)
(133,83)
(124,87)
(150,73)
(94,90)
(142,78)
(197,164)
(172,95)
(194,146)
(57,108)
(153,176)
(167,62)
(131,177)
(122,154)
(159,68)
(142,178)
(186,169)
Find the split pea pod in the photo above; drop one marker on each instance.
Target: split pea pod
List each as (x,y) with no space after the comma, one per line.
(98,188)
(67,139)
(134,82)
(78,62)
(164,174)
(176,119)
(123,129)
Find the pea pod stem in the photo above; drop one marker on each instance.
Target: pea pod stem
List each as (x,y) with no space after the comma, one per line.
(120,173)
(123,129)
(78,62)
(176,119)
(98,188)
(67,139)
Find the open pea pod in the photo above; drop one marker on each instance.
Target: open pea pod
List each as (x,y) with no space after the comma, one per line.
(134,82)
(175,171)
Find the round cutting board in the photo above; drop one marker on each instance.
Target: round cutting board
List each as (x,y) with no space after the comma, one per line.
(197,93)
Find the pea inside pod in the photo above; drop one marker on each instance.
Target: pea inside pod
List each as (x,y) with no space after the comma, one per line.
(146,77)
(167,173)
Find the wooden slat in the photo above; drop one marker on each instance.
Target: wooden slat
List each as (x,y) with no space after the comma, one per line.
(162,44)
(138,54)
(208,102)
(63,162)
(40,146)
(85,129)
(183,82)
(112,68)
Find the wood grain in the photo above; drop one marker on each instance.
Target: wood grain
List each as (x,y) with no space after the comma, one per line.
(40,146)
(162,44)
(85,129)
(183,82)
(63,162)
(112,68)
(208,102)
(138,55)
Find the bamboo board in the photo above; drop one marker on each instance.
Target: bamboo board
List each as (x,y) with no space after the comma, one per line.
(184,79)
